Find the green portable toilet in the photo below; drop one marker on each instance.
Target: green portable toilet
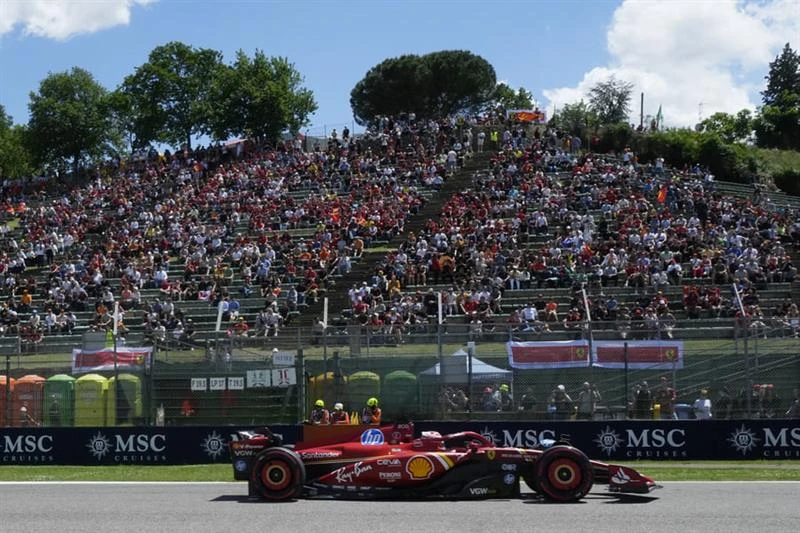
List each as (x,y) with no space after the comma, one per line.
(399,393)
(27,409)
(90,400)
(59,401)
(129,407)
(362,386)
(328,388)
(6,398)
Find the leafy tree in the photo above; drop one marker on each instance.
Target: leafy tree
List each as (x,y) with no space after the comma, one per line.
(611,100)
(505,97)
(779,123)
(260,97)
(14,157)
(779,126)
(434,85)
(169,95)
(456,81)
(729,128)
(6,120)
(69,119)
(577,119)
(389,88)
(139,121)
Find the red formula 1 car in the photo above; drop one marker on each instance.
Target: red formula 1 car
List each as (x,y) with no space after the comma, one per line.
(352,461)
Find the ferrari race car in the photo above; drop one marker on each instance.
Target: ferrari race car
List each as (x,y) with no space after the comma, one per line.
(352,461)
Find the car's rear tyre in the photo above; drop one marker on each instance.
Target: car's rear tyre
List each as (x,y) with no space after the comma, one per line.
(563,474)
(278,474)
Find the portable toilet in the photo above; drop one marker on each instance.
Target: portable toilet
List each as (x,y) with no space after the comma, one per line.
(328,387)
(399,394)
(6,396)
(27,409)
(361,386)
(59,401)
(123,410)
(90,400)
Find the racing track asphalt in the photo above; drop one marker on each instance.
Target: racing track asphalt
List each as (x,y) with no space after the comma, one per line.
(223,507)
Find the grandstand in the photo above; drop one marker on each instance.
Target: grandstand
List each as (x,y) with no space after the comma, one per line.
(304,215)
(381,228)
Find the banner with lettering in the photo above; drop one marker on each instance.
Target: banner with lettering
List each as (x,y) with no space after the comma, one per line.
(647,355)
(607,440)
(548,354)
(107,359)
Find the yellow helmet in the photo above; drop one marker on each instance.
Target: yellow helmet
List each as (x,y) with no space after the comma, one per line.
(319,403)
(372,402)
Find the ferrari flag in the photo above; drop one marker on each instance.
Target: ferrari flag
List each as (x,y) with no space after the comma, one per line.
(548,354)
(527,115)
(655,355)
(126,358)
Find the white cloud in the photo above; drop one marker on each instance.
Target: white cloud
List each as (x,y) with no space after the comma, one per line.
(682,53)
(62,19)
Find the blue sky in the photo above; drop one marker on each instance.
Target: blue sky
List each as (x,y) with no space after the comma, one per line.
(555,49)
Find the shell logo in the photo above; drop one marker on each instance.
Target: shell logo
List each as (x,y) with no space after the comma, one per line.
(419,467)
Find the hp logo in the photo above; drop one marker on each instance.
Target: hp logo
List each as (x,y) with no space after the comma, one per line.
(372,437)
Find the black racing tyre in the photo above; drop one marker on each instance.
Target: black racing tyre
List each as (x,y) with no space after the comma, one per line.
(563,474)
(278,474)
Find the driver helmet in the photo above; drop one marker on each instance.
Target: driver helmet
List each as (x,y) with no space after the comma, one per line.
(319,403)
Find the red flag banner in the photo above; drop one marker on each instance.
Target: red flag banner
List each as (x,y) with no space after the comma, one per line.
(548,354)
(527,115)
(127,358)
(655,355)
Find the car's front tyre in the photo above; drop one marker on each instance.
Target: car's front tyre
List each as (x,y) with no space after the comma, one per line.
(277,474)
(563,474)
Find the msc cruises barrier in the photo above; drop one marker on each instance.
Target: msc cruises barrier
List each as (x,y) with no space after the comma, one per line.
(618,440)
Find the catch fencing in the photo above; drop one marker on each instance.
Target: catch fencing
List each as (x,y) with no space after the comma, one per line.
(447,372)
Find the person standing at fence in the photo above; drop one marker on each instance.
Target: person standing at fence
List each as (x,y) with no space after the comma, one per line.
(561,405)
(320,416)
(489,401)
(528,400)
(587,401)
(665,398)
(25,417)
(339,415)
(702,406)
(371,413)
(505,401)
(642,401)
(794,406)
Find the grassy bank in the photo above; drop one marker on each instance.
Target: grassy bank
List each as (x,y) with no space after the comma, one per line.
(662,471)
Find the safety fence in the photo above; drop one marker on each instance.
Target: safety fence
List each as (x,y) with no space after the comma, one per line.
(446,372)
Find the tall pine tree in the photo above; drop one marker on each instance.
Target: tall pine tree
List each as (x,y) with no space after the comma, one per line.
(779,123)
